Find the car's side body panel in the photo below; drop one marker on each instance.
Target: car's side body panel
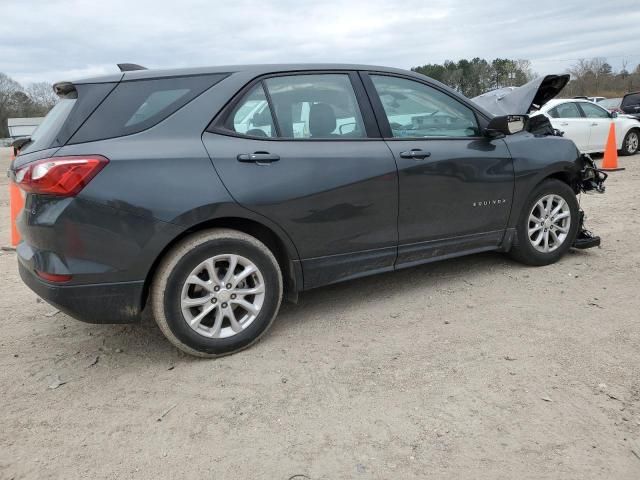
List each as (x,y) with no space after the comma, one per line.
(463,189)
(333,205)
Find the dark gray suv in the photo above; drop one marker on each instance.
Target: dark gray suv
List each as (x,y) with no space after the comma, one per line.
(207,195)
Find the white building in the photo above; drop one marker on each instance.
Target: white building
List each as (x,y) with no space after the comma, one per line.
(23,127)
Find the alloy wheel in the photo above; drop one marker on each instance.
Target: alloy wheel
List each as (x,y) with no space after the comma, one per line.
(222,296)
(549,223)
(632,142)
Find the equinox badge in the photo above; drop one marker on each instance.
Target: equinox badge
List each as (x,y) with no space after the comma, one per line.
(489,203)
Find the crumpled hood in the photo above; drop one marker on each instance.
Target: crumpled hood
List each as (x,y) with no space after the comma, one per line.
(522,100)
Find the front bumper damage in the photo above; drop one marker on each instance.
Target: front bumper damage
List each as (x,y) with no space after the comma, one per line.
(591,181)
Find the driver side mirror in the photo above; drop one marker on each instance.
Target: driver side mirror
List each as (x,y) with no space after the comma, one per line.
(505,125)
(613,114)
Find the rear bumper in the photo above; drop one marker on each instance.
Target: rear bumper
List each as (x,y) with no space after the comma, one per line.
(97,303)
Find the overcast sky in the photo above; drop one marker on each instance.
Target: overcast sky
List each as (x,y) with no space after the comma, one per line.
(52,40)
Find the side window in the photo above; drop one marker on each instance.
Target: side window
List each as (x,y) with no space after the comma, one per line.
(315,106)
(417,110)
(252,115)
(567,110)
(136,105)
(593,111)
(553,113)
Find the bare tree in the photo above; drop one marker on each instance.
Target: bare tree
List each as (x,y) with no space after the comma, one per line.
(42,95)
(8,88)
(579,72)
(16,101)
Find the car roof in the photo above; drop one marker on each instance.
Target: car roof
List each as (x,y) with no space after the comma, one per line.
(257,69)
(266,68)
(557,101)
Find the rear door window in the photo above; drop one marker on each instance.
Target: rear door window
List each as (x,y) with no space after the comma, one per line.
(565,110)
(316,106)
(137,105)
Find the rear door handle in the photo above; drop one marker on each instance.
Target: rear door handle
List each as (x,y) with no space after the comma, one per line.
(595,124)
(261,158)
(415,153)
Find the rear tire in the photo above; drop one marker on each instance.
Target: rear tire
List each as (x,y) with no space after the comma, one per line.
(631,142)
(548,224)
(216,292)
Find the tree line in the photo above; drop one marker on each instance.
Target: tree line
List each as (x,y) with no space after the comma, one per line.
(16,100)
(596,77)
(589,77)
(476,76)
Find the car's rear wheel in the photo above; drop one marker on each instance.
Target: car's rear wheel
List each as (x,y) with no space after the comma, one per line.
(216,292)
(631,142)
(548,224)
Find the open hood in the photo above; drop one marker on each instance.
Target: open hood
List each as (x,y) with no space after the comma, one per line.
(522,100)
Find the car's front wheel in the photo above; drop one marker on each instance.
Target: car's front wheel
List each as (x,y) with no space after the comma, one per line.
(216,292)
(631,142)
(548,224)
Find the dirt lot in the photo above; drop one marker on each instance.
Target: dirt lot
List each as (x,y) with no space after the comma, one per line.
(471,368)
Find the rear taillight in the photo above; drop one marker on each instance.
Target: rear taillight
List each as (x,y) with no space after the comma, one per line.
(53,277)
(59,176)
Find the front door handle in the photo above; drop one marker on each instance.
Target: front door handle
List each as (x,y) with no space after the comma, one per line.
(564,124)
(415,153)
(261,158)
(595,124)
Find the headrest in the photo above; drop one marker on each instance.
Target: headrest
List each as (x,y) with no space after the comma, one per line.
(322,120)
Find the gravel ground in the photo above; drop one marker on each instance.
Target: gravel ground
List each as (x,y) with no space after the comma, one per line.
(470,368)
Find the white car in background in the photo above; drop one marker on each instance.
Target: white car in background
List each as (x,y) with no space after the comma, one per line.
(588,124)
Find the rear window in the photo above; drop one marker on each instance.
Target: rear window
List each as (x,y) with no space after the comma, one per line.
(137,105)
(46,132)
(632,99)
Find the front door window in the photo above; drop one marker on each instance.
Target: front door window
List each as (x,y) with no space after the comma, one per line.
(415,110)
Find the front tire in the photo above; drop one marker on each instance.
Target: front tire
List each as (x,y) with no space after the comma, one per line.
(216,292)
(631,142)
(548,224)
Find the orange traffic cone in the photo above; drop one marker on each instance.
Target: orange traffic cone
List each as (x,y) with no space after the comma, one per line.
(16,203)
(610,160)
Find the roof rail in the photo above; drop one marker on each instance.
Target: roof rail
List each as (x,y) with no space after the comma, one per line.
(130,67)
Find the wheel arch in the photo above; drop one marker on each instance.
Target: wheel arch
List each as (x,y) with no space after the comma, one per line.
(566,172)
(282,249)
(563,176)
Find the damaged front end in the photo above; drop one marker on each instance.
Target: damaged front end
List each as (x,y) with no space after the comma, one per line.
(591,177)
(526,100)
(591,180)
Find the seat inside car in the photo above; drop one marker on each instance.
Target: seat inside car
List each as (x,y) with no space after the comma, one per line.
(322,120)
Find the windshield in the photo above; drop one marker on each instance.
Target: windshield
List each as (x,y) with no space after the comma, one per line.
(43,136)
